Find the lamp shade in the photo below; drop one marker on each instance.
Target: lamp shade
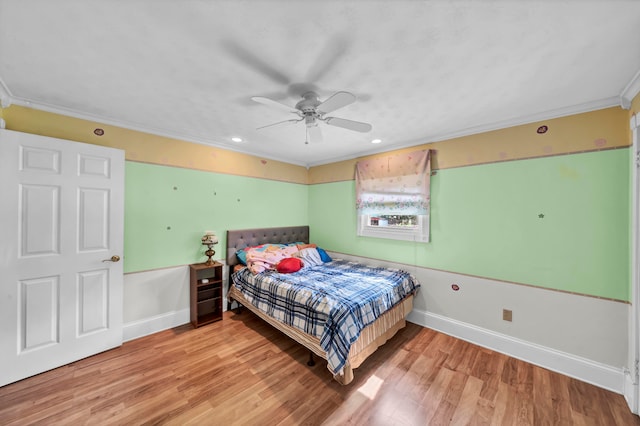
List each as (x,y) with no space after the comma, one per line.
(209,238)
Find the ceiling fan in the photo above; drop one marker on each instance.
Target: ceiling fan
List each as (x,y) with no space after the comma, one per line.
(312,111)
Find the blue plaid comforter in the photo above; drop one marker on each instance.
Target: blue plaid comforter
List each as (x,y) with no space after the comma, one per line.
(333,301)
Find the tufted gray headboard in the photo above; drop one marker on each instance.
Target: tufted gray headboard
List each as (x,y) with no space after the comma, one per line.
(241,238)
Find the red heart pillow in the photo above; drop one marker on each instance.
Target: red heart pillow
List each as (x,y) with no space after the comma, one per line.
(289,265)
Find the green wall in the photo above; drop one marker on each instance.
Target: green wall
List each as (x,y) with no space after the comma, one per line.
(485,221)
(168,209)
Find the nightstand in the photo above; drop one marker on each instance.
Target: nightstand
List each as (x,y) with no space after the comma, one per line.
(206,293)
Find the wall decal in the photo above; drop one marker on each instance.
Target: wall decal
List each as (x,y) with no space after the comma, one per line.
(600,142)
(98,132)
(455,287)
(541,215)
(542,130)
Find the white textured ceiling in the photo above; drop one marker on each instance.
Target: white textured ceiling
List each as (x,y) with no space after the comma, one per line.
(422,70)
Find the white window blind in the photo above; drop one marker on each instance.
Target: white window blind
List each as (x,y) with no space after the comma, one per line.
(392,192)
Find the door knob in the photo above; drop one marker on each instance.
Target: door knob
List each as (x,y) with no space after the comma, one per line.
(113,258)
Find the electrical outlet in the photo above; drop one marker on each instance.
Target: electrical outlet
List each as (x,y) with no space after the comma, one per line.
(507,315)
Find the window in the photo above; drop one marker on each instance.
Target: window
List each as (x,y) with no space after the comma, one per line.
(392,196)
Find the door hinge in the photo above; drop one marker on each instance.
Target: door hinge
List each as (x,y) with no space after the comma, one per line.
(638,159)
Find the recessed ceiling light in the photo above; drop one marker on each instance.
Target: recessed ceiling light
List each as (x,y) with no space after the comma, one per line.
(376,141)
(236,139)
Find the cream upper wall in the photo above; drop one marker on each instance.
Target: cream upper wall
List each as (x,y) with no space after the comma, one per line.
(592,131)
(148,148)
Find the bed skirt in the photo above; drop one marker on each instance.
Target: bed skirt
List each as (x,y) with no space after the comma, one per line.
(371,338)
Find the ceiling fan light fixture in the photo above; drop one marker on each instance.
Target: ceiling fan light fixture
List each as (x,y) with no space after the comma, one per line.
(310,120)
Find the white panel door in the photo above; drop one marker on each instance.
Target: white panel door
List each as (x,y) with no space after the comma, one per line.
(61,236)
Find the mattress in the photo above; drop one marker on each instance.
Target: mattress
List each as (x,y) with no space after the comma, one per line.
(332,302)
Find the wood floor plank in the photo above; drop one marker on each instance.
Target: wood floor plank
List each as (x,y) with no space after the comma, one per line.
(199,414)
(543,409)
(468,402)
(449,404)
(391,409)
(436,392)
(561,399)
(488,368)
(504,410)
(416,380)
(242,371)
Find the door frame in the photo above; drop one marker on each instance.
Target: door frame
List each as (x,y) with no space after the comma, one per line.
(632,371)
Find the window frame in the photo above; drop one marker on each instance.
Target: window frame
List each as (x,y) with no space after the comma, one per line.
(418,233)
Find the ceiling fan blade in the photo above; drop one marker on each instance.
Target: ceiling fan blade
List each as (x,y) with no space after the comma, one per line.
(348,124)
(253,61)
(275,104)
(333,50)
(280,122)
(314,135)
(337,100)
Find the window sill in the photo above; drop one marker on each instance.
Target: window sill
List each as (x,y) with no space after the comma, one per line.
(414,234)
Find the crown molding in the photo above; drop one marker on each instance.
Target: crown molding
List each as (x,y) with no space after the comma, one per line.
(630,91)
(555,113)
(6,98)
(143,128)
(512,122)
(545,115)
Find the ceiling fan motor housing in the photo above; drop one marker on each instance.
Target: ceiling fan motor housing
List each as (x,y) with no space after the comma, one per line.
(309,103)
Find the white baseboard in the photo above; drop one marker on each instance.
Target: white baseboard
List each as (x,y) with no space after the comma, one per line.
(147,326)
(598,374)
(631,393)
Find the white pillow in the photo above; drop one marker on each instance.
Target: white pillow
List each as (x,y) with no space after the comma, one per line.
(310,257)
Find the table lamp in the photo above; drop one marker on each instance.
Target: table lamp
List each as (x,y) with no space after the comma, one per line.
(209,239)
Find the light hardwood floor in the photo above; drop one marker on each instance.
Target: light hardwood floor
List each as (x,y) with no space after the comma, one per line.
(241,371)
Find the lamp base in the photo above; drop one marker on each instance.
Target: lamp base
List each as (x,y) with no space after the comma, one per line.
(210,253)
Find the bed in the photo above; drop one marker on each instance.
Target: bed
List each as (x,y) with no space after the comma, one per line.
(328,332)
